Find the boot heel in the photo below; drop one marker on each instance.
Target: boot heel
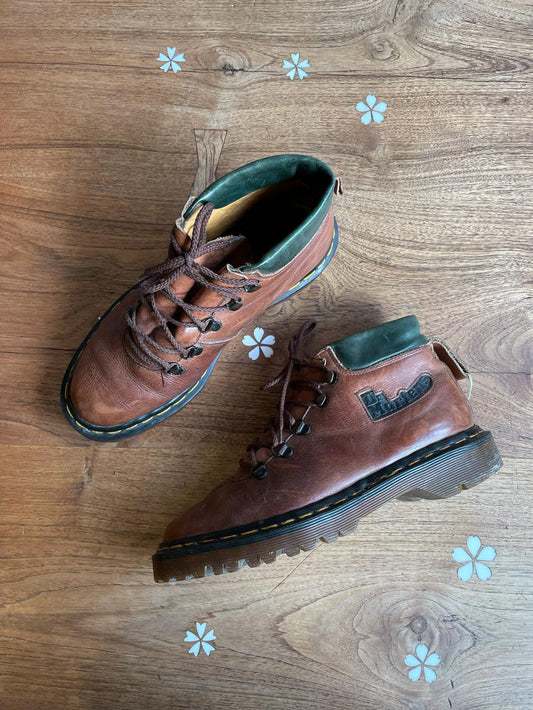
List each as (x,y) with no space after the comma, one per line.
(455,471)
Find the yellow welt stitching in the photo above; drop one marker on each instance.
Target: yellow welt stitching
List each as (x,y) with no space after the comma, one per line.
(163,411)
(326,507)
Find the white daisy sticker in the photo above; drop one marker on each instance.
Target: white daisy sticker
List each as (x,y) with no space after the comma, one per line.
(474,558)
(260,343)
(200,639)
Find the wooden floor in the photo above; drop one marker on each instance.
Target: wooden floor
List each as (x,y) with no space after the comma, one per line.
(99,150)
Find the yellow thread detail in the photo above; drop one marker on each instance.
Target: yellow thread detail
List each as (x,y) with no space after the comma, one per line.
(336,503)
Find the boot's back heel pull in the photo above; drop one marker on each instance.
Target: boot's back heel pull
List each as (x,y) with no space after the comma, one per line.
(458,470)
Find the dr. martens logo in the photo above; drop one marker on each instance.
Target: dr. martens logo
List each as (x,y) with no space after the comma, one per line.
(378,406)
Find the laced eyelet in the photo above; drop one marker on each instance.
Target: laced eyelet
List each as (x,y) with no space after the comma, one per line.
(249,288)
(331,377)
(321,400)
(282,450)
(211,325)
(300,428)
(234,304)
(176,369)
(193,350)
(260,471)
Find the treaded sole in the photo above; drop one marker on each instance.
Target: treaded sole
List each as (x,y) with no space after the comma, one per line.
(453,468)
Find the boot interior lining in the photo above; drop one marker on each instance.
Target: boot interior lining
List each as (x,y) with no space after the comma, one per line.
(266,216)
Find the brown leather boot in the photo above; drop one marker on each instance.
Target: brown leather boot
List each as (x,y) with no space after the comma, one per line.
(253,238)
(375,416)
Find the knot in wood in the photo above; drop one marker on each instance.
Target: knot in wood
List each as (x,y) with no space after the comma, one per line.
(418,625)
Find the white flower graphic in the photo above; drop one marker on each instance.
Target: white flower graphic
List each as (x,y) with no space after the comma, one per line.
(259,344)
(296,66)
(422,660)
(171,61)
(371,110)
(474,559)
(200,640)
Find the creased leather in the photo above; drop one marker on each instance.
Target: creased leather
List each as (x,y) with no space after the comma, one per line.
(345,444)
(108,388)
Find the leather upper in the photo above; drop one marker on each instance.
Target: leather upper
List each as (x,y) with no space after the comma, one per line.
(345,443)
(108,388)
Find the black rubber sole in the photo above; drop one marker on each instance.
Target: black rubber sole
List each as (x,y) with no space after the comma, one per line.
(155,416)
(437,471)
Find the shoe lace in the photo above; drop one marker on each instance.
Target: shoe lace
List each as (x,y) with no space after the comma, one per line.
(286,419)
(142,348)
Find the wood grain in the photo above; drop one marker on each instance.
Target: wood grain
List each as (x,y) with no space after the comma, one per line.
(98,153)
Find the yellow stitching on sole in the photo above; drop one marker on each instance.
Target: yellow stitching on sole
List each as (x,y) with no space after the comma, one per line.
(114,432)
(326,507)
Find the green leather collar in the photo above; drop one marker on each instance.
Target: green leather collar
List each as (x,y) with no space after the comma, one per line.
(371,346)
(269,171)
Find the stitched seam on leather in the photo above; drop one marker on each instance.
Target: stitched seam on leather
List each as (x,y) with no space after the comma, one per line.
(336,503)
(309,243)
(121,430)
(377,365)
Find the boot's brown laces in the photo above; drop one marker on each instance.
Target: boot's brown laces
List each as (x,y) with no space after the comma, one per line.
(286,420)
(141,345)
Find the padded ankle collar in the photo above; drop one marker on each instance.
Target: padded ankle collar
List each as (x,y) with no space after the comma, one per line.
(371,346)
(270,171)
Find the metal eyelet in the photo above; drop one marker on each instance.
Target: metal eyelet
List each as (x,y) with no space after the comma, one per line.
(300,428)
(260,471)
(331,377)
(249,288)
(211,325)
(282,450)
(321,400)
(176,369)
(234,304)
(193,350)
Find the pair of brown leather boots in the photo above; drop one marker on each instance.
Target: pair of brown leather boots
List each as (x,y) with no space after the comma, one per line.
(375,416)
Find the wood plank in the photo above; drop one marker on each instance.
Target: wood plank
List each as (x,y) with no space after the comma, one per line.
(99,150)
(84,604)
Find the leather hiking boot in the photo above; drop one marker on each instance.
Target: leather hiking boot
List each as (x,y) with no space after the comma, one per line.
(250,240)
(375,416)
